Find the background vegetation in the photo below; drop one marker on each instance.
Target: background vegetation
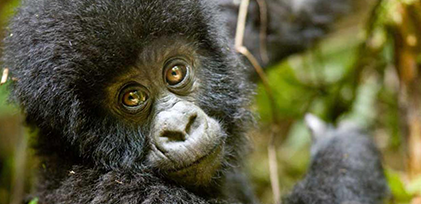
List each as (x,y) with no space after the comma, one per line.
(367,71)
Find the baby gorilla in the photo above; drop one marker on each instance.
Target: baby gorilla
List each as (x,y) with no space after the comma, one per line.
(345,168)
(133,101)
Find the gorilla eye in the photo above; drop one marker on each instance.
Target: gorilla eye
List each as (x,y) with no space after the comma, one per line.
(134,97)
(175,72)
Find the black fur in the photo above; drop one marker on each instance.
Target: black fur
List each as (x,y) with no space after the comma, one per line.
(90,186)
(345,168)
(65,52)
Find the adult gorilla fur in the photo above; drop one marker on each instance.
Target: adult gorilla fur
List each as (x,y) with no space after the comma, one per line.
(345,167)
(292,25)
(65,52)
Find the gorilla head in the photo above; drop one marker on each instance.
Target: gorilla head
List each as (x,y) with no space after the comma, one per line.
(147,85)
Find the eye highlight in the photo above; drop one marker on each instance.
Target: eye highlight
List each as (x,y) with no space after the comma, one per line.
(133,98)
(176,73)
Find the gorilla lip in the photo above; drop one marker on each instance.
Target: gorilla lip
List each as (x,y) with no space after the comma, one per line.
(215,151)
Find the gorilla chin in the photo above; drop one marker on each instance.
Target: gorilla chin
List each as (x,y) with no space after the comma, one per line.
(201,172)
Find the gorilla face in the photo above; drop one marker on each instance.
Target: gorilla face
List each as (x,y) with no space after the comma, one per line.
(160,93)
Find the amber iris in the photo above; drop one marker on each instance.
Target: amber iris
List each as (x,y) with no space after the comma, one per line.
(176,74)
(134,98)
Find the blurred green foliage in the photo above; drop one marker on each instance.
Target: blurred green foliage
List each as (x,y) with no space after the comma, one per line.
(397,187)
(347,77)
(34,201)
(5,107)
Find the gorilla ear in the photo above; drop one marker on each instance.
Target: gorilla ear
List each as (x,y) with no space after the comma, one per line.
(316,125)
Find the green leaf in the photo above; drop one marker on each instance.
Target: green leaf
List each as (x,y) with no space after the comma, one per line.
(397,187)
(34,201)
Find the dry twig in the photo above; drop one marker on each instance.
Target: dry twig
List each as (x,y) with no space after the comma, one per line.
(4,76)
(239,46)
(263,30)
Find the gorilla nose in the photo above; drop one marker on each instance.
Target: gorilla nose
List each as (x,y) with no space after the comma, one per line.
(178,129)
(182,135)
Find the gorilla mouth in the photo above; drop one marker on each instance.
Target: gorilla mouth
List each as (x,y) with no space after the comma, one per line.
(205,159)
(201,171)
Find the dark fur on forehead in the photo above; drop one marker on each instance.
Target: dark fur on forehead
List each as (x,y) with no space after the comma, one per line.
(61,51)
(166,47)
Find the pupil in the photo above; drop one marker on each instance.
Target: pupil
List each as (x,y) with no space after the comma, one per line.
(134,98)
(175,74)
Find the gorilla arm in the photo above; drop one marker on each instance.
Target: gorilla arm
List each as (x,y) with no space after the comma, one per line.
(345,167)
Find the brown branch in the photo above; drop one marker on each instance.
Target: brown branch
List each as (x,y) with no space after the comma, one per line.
(259,70)
(241,23)
(263,30)
(239,46)
(273,168)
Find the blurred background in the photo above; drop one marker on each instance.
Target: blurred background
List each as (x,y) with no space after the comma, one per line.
(366,71)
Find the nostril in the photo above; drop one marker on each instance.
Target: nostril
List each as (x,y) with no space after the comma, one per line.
(192,119)
(173,136)
(177,128)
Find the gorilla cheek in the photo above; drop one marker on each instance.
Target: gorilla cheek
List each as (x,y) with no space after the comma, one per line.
(186,144)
